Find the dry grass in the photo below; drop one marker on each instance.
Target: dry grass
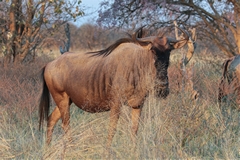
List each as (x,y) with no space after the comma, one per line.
(174,128)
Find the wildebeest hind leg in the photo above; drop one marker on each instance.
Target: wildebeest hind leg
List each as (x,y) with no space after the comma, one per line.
(64,109)
(61,111)
(52,120)
(114,116)
(136,113)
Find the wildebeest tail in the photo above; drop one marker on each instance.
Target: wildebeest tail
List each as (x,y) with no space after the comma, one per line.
(44,102)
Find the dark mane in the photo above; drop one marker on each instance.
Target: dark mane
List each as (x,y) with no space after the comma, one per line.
(107,51)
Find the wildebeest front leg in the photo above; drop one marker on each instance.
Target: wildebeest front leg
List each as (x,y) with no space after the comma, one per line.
(114,116)
(136,113)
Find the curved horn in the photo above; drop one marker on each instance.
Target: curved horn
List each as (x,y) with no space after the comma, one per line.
(191,46)
(146,39)
(186,34)
(179,43)
(138,37)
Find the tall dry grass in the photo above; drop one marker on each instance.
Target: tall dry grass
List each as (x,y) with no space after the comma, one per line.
(173,128)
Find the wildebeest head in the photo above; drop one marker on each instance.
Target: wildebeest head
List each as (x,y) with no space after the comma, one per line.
(161,47)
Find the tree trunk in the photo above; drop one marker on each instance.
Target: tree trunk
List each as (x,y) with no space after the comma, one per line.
(7,60)
(10,46)
(18,59)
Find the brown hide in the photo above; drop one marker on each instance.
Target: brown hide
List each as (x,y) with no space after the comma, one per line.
(91,82)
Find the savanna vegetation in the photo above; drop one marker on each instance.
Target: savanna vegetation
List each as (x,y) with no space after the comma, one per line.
(177,127)
(171,128)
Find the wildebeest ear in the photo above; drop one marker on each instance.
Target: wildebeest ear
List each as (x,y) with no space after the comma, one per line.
(149,46)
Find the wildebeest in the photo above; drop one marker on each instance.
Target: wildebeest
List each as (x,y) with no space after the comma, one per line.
(229,87)
(104,80)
